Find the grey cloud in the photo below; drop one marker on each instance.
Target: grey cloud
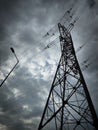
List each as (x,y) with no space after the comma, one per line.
(22,24)
(13,107)
(91,3)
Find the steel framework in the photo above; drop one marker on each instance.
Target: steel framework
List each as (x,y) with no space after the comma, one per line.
(69,106)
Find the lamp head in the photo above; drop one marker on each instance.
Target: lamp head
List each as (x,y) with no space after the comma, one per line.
(12,50)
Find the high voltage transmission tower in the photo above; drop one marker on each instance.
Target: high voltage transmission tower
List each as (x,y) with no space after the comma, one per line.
(69,105)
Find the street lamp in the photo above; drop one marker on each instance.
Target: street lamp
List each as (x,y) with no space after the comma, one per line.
(12,68)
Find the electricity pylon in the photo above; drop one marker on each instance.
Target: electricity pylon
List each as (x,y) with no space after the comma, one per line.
(69,105)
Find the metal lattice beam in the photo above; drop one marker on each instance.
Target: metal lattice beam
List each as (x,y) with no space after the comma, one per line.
(69,106)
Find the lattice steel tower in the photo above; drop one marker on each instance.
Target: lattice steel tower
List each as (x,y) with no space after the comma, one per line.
(69,106)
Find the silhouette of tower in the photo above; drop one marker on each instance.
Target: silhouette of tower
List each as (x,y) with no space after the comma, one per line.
(69,106)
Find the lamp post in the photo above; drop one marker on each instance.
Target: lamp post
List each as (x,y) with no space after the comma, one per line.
(12,68)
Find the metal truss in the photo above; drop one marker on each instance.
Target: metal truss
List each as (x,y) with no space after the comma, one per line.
(69,106)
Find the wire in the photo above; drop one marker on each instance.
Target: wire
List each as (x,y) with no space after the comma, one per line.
(85,66)
(67,16)
(79,48)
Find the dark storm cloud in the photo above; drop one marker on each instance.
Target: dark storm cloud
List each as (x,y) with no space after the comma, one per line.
(26,106)
(9,18)
(22,23)
(13,14)
(91,3)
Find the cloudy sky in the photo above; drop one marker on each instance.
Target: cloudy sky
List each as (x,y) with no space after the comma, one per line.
(23,23)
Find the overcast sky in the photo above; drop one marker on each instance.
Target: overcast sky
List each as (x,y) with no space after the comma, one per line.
(23,23)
